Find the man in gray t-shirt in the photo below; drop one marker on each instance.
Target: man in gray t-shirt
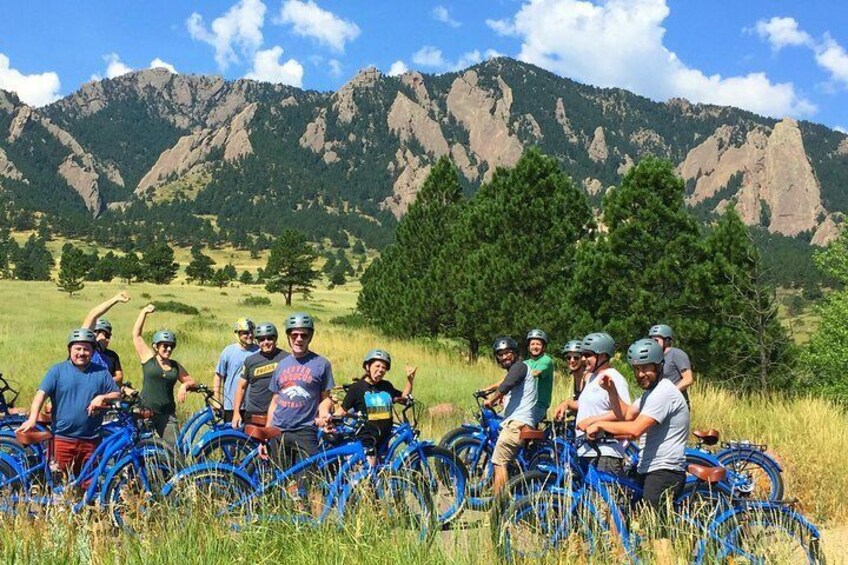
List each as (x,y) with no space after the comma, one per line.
(676,367)
(664,444)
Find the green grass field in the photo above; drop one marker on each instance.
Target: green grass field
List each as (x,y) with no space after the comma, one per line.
(809,436)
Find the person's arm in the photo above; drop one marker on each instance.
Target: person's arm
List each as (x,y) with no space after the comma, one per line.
(517,373)
(101,309)
(119,377)
(617,402)
(145,352)
(186,382)
(608,416)
(241,387)
(34,411)
(623,430)
(687,379)
(325,408)
(410,381)
(100,400)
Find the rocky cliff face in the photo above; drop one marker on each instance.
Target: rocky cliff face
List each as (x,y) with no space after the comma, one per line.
(388,131)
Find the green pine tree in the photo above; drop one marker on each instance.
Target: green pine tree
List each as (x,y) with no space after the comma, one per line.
(73,268)
(33,261)
(200,268)
(157,263)
(289,267)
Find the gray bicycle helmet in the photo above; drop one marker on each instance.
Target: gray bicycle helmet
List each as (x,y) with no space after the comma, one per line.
(537,334)
(598,343)
(645,352)
(377,355)
(164,336)
(244,325)
(503,343)
(82,335)
(266,329)
(573,346)
(661,330)
(299,320)
(103,325)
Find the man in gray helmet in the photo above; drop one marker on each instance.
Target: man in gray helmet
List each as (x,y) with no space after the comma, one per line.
(256,374)
(676,366)
(103,331)
(76,388)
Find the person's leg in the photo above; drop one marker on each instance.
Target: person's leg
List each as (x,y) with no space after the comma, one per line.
(660,489)
(170,430)
(63,456)
(506,450)
(611,465)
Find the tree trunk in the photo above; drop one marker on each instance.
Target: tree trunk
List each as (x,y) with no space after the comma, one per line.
(473,349)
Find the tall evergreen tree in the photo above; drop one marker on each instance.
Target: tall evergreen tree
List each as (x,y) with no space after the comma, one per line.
(404,290)
(512,250)
(129,268)
(200,268)
(33,261)
(289,268)
(157,263)
(635,275)
(73,268)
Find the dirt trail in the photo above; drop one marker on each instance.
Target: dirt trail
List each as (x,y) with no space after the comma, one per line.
(835,542)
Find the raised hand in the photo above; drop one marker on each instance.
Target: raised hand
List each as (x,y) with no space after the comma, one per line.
(122,296)
(149,309)
(410,372)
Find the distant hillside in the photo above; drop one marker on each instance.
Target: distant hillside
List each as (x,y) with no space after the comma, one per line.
(170,151)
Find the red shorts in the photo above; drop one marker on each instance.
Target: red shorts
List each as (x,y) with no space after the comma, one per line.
(70,454)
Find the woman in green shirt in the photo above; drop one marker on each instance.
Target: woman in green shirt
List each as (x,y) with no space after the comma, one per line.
(160,375)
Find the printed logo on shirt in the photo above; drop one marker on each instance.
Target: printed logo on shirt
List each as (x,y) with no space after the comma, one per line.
(265,369)
(378,405)
(294,391)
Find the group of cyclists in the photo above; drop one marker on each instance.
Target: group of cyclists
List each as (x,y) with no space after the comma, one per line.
(256,380)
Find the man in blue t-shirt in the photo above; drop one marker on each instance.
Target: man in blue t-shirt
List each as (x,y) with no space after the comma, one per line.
(230,364)
(301,386)
(76,388)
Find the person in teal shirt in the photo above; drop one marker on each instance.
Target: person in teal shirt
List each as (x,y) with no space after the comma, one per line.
(542,368)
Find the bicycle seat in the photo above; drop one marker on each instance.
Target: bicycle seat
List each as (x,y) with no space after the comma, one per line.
(710,475)
(531,434)
(32,437)
(709,437)
(262,433)
(259,419)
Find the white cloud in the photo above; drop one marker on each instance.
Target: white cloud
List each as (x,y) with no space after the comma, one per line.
(114,67)
(397,68)
(34,89)
(241,26)
(841,129)
(309,20)
(832,57)
(781,32)
(267,68)
(428,56)
(619,43)
(441,14)
(492,54)
(335,68)
(158,63)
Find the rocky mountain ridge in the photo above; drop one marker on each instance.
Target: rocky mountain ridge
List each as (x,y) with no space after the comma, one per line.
(369,146)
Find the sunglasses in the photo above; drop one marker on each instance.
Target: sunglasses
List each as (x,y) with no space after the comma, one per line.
(106,335)
(246,333)
(267,338)
(574,357)
(588,354)
(300,335)
(166,345)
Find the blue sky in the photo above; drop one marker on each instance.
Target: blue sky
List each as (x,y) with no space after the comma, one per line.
(772,57)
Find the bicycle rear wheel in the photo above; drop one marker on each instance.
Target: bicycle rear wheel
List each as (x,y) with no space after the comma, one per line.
(533,526)
(215,491)
(753,475)
(445,475)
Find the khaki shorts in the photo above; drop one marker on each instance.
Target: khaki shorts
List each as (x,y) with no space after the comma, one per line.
(506,449)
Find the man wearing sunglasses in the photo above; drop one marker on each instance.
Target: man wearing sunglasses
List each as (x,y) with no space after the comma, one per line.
(300,388)
(256,375)
(573,351)
(230,364)
(103,331)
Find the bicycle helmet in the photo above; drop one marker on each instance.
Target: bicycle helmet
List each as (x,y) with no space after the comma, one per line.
(103,325)
(661,330)
(377,355)
(164,336)
(645,352)
(598,343)
(266,329)
(82,335)
(537,334)
(300,320)
(503,343)
(573,346)
(244,325)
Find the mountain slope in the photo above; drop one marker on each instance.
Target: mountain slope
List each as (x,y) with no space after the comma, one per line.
(261,157)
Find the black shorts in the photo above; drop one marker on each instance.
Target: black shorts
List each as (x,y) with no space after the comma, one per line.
(661,485)
(293,446)
(228,415)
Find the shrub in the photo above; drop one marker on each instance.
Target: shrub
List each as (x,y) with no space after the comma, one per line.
(176,307)
(256,301)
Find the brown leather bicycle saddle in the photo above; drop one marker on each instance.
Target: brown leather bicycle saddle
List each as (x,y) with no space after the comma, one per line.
(710,475)
(259,419)
(709,437)
(531,434)
(262,433)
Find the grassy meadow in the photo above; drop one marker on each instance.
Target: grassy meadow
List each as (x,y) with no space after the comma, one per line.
(809,436)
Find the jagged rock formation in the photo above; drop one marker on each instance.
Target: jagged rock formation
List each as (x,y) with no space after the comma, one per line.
(562,119)
(598,151)
(775,174)
(7,168)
